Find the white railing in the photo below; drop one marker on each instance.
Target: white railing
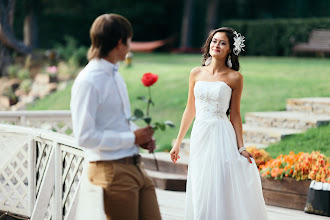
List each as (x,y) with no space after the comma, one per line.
(40,179)
(59,121)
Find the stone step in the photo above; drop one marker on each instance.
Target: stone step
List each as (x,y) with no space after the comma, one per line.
(286,119)
(168,181)
(263,136)
(319,105)
(165,163)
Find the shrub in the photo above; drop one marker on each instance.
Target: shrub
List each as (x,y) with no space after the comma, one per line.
(23,74)
(26,85)
(13,70)
(275,37)
(9,93)
(69,51)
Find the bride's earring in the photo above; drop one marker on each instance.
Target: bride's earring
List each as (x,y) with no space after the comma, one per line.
(208,61)
(229,64)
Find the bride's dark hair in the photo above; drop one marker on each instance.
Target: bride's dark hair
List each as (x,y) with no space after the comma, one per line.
(230,34)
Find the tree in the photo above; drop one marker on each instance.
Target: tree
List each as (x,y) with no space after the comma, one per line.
(187,24)
(30,24)
(8,43)
(211,15)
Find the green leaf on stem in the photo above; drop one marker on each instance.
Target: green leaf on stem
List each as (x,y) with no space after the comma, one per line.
(142,98)
(147,119)
(161,126)
(138,113)
(151,102)
(170,124)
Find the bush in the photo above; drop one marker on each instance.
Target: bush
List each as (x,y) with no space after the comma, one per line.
(275,37)
(67,71)
(26,85)
(69,51)
(13,70)
(23,74)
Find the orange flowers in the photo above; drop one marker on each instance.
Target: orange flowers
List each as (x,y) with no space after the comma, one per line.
(260,155)
(301,166)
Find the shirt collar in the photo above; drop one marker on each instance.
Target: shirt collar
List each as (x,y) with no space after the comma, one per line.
(110,68)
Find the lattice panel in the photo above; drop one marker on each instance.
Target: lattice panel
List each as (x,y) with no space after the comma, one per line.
(48,215)
(42,155)
(14,184)
(60,126)
(72,170)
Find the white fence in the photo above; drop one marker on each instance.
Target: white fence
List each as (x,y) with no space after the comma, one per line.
(59,121)
(40,170)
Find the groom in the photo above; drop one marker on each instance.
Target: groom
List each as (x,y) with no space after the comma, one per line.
(100,110)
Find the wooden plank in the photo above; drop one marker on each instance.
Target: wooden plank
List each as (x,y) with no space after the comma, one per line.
(285,200)
(172,206)
(286,185)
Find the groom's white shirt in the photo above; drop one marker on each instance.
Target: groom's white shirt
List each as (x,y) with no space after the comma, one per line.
(100,110)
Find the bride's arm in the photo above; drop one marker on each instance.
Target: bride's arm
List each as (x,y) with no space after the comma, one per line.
(187,117)
(235,114)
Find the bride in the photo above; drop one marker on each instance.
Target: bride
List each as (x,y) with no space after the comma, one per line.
(223,179)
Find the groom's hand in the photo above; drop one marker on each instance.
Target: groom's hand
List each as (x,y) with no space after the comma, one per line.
(150,146)
(143,135)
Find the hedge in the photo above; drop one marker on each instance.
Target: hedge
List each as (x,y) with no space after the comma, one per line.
(275,37)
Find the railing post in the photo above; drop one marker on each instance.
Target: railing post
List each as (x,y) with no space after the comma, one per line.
(32,175)
(22,120)
(58,182)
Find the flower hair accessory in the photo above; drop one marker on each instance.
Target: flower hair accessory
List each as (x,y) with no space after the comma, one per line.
(238,43)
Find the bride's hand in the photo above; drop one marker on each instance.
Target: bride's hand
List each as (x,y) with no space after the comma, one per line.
(247,155)
(175,153)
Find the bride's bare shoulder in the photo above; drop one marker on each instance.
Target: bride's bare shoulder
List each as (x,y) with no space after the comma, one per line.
(236,78)
(195,72)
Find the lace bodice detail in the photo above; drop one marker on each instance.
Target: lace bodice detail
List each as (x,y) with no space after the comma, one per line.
(211,99)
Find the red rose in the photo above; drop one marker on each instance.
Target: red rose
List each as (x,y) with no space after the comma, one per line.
(149,79)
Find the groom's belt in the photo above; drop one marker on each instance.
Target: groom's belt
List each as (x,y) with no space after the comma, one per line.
(136,159)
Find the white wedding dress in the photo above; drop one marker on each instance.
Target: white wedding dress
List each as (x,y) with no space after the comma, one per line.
(222,184)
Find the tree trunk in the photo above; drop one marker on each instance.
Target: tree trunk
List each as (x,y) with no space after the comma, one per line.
(241,9)
(211,16)
(5,59)
(187,24)
(8,42)
(31,29)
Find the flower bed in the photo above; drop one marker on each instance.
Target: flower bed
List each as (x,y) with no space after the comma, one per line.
(286,179)
(301,166)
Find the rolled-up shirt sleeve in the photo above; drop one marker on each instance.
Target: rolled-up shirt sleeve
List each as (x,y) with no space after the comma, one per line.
(84,103)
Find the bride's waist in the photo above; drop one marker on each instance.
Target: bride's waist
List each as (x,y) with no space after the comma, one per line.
(210,116)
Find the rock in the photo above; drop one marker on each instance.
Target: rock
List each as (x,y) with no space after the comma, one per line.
(20,106)
(6,83)
(26,99)
(45,78)
(41,90)
(4,102)
(19,92)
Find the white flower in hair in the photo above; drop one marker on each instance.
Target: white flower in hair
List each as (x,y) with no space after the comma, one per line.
(238,43)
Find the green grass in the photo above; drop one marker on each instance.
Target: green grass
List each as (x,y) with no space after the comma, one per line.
(268,82)
(315,139)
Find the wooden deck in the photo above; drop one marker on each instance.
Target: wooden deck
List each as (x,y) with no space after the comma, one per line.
(172,208)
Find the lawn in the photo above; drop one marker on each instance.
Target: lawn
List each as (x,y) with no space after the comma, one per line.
(268,82)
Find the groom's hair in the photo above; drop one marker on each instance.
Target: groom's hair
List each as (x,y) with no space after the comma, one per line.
(105,33)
